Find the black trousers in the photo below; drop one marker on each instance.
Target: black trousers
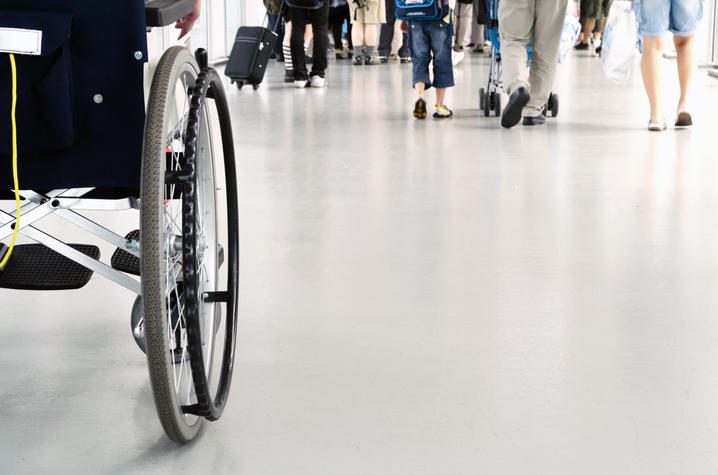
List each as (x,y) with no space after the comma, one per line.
(386,33)
(300,18)
(336,21)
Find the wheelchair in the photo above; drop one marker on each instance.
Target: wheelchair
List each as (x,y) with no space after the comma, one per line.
(79,135)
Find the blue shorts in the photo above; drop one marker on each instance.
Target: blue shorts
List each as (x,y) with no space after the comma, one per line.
(656,17)
(427,40)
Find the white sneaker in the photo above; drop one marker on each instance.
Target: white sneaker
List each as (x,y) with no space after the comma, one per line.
(301,84)
(318,81)
(456,57)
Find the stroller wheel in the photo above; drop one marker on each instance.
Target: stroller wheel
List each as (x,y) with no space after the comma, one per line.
(497,108)
(482,93)
(553,104)
(487,104)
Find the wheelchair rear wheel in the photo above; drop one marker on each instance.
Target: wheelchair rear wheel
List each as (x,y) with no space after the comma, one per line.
(183,246)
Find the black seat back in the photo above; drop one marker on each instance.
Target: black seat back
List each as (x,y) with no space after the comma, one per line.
(80,109)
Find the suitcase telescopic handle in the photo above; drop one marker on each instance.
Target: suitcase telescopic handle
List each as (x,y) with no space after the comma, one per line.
(279,17)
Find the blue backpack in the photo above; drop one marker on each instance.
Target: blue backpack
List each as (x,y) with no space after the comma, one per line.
(425,10)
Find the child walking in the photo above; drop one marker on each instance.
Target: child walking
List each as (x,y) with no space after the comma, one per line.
(431,40)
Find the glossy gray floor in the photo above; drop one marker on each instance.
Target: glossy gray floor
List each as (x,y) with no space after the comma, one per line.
(419,298)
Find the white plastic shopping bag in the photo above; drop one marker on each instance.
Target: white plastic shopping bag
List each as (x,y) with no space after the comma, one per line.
(569,36)
(618,49)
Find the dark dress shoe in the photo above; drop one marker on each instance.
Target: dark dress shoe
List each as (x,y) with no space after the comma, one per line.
(512,113)
(538,120)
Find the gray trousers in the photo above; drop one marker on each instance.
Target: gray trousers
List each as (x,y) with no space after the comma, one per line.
(463,23)
(522,22)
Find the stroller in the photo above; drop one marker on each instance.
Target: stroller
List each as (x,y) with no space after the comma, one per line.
(490,97)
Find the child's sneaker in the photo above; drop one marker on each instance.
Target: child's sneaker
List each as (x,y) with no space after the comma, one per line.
(358,60)
(442,112)
(420,109)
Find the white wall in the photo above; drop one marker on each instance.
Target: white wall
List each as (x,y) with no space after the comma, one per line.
(704,35)
(714,55)
(254,12)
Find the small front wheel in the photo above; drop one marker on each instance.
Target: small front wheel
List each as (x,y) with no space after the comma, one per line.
(553,104)
(137,324)
(481,98)
(497,108)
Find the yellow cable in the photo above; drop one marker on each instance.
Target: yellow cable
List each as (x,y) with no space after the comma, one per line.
(16,229)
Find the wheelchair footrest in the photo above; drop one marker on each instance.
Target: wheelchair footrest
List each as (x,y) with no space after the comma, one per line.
(123,261)
(3,251)
(36,267)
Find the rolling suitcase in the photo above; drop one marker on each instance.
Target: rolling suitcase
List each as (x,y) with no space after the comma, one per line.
(250,54)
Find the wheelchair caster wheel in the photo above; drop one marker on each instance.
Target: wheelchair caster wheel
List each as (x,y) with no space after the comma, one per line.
(497,105)
(137,324)
(255,86)
(481,98)
(240,85)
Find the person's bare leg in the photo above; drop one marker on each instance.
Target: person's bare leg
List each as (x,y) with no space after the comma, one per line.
(371,40)
(686,66)
(588,26)
(651,70)
(420,88)
(358,38)
(371,34)
(440,95)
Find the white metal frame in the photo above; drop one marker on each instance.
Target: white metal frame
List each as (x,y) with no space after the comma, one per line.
(65,203)
(713,31)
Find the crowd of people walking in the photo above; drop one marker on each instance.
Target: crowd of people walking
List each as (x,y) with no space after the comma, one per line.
(368,33)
